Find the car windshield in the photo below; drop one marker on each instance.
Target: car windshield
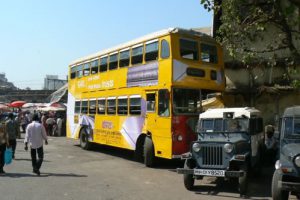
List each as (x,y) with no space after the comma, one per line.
(224,125)
(292,126)
(186,101)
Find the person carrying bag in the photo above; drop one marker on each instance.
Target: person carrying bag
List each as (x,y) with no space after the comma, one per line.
(3,144)
(8,156)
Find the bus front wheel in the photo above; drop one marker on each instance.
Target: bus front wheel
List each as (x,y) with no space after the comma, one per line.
(149,152)
(84,143)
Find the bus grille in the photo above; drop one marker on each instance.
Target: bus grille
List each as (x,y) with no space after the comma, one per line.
(212,156)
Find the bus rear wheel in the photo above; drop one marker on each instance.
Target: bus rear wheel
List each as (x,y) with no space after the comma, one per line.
(149,156)
(84,143)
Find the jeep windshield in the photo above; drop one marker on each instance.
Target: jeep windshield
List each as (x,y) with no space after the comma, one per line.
(291,127)
(224,125)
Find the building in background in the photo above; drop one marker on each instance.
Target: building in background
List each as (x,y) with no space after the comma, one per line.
(4,84)
(52,82)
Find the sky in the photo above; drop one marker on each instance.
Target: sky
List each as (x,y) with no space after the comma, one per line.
(39,38)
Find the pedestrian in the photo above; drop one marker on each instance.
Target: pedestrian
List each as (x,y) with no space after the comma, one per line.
(35,134)
(3,144)
(11,128)
(270,144)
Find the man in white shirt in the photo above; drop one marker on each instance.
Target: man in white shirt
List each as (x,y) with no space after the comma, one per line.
(35,134)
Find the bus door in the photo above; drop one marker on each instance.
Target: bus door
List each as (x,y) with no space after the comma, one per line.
(151,99)
(163,125)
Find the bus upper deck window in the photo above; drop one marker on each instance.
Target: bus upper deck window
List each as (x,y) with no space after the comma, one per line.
(73,72)
(86,69)
(151,52)
(113,61)
(94,66)
(189,49)
(165,49)
(137,55)
(124,58)
(103,64)
(79,71)
(209,53)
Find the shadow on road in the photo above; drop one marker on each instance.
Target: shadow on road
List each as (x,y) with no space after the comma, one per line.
(45,174)
(259,187)
(129,155)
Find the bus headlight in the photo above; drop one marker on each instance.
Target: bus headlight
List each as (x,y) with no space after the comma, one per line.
(297,161)
(228,148)
(196,147)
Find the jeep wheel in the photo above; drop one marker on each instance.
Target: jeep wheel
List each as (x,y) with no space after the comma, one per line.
(188,179)
(277,192)
(84,143)
(243,182)
(149,152)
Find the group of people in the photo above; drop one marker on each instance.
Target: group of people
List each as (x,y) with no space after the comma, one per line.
(34,137)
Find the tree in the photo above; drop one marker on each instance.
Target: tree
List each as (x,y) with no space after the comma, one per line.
(247,24)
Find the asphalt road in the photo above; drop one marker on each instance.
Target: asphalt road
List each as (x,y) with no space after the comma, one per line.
(106,173)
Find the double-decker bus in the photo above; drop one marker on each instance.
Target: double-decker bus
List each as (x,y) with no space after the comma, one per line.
(144,95)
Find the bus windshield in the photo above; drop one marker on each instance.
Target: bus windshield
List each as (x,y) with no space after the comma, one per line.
(186,101)
(224,125)
(292,126)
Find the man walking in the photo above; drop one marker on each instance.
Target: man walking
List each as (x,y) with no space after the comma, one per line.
(11,128)
(35,134)
(3,144)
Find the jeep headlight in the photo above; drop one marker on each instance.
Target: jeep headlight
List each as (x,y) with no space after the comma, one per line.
(196,147)
(228,148)
(297,161)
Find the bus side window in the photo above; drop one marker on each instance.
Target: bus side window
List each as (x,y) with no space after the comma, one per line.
(94,66)
(124,58)
(165,49)
(84,107)
(151,102)
(79,71)
(103,64)
(111,106)
(86,69)
(73,72)
(92,107)
(122,105)
(151,51)
(163,103)
(113,61)
(101,106)
(137,54)
(135,106)
(77,107)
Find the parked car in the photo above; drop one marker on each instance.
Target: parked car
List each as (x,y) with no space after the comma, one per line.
(286,177)
(230,143)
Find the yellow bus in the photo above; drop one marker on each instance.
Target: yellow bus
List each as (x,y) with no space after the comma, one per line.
(144,95)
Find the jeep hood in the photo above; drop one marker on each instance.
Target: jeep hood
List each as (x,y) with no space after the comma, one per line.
(291,150)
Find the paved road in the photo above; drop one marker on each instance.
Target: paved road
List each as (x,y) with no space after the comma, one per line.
(105,173)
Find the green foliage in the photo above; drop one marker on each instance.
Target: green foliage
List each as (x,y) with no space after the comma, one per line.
(257,31)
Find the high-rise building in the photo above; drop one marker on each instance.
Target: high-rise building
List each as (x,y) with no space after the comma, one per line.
(52,82)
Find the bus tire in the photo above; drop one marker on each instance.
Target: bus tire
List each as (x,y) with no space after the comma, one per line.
(188,179)
(277,192)
(149,156)
(139,151)
(84,143)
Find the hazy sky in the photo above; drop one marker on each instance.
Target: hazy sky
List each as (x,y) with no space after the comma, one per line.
(42,37)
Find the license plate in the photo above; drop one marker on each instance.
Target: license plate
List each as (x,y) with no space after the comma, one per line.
(208,172)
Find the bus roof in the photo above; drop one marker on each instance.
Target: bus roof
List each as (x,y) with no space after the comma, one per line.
(237,112)
(140,40)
